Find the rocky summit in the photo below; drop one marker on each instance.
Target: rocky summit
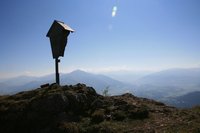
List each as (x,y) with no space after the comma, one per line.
(79,109)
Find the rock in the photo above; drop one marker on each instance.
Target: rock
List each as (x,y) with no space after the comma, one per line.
(97,103)
(44,85)
(54,103)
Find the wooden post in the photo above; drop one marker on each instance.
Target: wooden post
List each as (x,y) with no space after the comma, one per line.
(57,72)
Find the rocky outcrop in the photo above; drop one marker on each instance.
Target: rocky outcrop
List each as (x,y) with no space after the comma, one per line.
(79,109)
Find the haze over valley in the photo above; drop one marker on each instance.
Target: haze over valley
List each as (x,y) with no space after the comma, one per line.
(168,86)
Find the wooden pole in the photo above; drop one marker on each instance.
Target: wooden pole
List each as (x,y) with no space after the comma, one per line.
(57,72)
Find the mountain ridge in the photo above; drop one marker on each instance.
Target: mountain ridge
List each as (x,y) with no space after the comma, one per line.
(168,84)
(174,77)
(166,92)
(188,100)
(98,81)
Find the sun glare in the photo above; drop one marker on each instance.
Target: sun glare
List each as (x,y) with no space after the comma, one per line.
(114,11)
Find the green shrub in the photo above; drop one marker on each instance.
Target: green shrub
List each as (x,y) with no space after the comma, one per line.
(105,92)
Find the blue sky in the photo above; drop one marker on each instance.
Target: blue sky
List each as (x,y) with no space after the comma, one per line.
(110,35)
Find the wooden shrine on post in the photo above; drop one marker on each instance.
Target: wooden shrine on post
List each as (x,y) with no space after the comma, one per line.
(58,35)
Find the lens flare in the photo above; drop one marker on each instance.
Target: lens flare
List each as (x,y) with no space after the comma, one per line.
(114,11)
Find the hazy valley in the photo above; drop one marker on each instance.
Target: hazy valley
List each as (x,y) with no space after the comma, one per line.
(174,86)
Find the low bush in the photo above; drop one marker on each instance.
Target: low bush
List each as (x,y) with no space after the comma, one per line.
(140,113)
(98,116)
(119,115)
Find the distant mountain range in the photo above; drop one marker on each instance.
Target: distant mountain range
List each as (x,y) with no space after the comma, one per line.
(170,84)
(99,82)
(173,77)
(167,86)
(182,79)
(185,101)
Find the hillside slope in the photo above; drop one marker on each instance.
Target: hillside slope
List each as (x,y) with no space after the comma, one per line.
(173,77)
(79,109)
(168,85)
(185,101)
